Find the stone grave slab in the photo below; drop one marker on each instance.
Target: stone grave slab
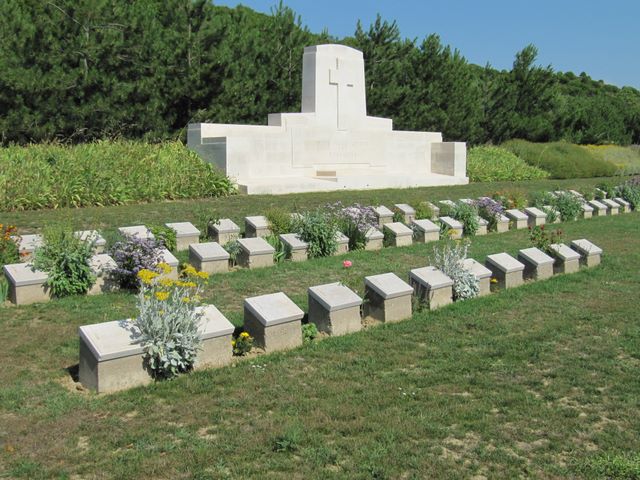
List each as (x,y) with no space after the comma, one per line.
(502,223)
(297,249)
(431,286)
(186,234)
(26,285)
(548,209)
(274,321)
(399,234)
(506,269)
(408,211)
(334,309)
(224,231)
(587,210)
(483,226)
(383,214)
(139,231)
(255,252)
(375,239)
(575,193)
(102,266)
(613,207)
(482,274)
(590,253)
(435,209)
(599,208)
(567,260)
(454,227)
(425,231)
(343,243)
(209,257)
(27,244)
(389,298)
(625,207)
(94,236)
(111,357)
(169,258)
(535,217)
(256,226)
(537,264)
(517,218)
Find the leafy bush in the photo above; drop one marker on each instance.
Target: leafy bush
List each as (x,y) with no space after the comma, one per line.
(540,238)
(608,188)
(398,215)
(4,290)
(53,176)
(511,198)
(233,249)
(540,199)
(493,164)
(131,255)
(279,221)
(631,193)
(468,215)
(165,236)
(168,321)
(568,206)
(625,159)
(561,159)
(354,221)
(318,228)
(309,332)
(8,247)
(280,253)
(490,210)
(242,344)
(448,258)
(423,211)
(66,259)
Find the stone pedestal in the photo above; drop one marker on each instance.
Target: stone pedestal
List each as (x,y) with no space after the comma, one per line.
(389,298)
(255,253)
(502,224)
(587,210)
(482,226)
(425,231)
(111,359)
(613,208)
(398,234)
(26,285)
(167,257)
(482,274)
(506,269)
(139,231)
(99,242)
(517,218)
(383,214)
(535,217)
(431,286)
(625,207)
(566,259)
(455,228)
(548,209)
(296,249)
(537,264)
(374,238)
(209,257)
(256,226)
(224,231)
(102,266)
(589,253)
(343,243)
(576,194)
(408,212)
(273,321)
(334,309)
(27,244)
(435,209)
(599,208)
(186,234)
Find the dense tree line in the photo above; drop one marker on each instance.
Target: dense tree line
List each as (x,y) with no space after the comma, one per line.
(80,70)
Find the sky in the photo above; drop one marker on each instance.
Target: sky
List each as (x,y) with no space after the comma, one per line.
(601,38)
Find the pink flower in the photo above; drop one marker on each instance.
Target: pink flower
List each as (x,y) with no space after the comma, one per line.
(347,264)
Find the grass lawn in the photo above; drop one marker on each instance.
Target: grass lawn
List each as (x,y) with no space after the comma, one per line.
(539,381)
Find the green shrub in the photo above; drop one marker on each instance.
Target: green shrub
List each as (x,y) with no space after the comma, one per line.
(630,193)
(8,247)
(541,238)
(493,164)
(104,173)
(242,344)
(165,236)
(309,332)
(280,253)
(318,228)
(280,221)
(468,215)
(608,188)
(561,159)
(511,199)
(540,199)
(568,206)
(65,258)
(233,249)
(424,211)
(448,258)
(4,290)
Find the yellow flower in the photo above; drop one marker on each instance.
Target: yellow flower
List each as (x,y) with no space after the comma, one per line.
(186,299)
(162,296)
(165,267)
(186,284)
(203,275)
(494,280)
(233,343)
(147,276)
(189,270)
(244,335)
(452,233)
(167,282)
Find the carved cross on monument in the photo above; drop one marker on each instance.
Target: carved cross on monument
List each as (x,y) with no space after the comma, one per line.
(342,79)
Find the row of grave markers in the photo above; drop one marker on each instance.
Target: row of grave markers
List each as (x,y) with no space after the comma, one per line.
(27,285)
(111,358)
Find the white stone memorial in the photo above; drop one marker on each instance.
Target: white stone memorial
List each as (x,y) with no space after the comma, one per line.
(274,321)
(99,242)
(186,234)
(169,258)
(506,269)
(334,309)
(26,285)
(383,214)
(255,253)
(296,248)
(256,226)
(209,257)
(518,218)
(408,212)
(425,231)
(537,264)
(587,210)
(535,216)
(398,234)
(139,231)
(27,244)
(625,207)
(567,260)
(599,208)
(432,286)
(343,243)
(374,239)
(589,252)
(482,274)
(332,144)
(454,227)
(389,297)
(224,231)
(613,207)
(102,266)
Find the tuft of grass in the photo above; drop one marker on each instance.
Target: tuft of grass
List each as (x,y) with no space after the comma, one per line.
(487,163)
(625,159)
(53,176)
(561,159)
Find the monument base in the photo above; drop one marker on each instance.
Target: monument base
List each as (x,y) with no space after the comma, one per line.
(283,185)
